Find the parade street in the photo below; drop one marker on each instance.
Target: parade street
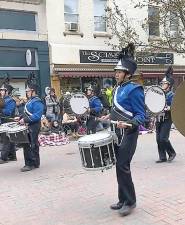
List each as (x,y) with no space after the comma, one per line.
(61,192)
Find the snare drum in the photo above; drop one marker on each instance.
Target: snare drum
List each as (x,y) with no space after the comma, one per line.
(97,151)
(18,134)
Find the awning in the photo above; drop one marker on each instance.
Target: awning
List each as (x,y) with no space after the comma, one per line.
(149,74)
(73,74)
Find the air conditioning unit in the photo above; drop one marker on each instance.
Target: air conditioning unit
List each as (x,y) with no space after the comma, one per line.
(73,27)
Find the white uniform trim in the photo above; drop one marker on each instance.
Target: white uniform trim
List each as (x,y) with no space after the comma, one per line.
(119,106)
(25,109)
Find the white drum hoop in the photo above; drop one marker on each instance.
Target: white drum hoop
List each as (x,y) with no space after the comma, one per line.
(16,129)
(155,99)
(79,103)
(3,129)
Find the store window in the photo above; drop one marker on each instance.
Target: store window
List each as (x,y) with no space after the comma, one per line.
(71,15)
(153,21)
(99,15)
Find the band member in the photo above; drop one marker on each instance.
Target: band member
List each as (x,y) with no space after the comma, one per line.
(164,121)
(8,149)
(32,117)
(95,108)
(129,111)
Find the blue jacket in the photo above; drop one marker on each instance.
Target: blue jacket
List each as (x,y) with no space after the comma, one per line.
(129,99)
(33,110)
(95,105)
(169,98)
(9,106)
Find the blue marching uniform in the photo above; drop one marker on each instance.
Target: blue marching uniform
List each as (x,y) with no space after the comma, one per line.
(128,106)
(32,116)
(8,149)
(163,126)
(95,110)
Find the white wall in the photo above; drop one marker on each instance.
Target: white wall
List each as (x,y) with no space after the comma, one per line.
(39,35)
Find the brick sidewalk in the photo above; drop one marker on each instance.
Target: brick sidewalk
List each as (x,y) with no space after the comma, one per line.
(62,193)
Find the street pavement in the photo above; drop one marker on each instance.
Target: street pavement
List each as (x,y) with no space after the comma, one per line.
(61,192)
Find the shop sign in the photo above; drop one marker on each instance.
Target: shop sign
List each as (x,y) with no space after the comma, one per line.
(111,57)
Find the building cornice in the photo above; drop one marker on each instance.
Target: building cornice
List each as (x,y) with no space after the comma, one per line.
(34,2)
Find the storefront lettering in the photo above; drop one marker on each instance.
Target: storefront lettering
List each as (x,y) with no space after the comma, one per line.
(92,56)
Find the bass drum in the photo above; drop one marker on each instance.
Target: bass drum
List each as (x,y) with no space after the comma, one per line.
(76,104)
(155,99)
(178,109)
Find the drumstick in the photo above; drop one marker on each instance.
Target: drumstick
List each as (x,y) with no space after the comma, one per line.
(115,122)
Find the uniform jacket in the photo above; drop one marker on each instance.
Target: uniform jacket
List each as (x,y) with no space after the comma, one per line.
(33,110)
(95,105)
(9,106)
(129,101)
(169,98)
(52,105)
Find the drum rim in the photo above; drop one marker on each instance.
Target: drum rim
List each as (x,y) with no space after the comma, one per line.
(13,131)
(164,104)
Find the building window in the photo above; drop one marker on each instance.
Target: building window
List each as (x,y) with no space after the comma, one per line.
(153,21)
(99,15)
(17,20)
(71,15)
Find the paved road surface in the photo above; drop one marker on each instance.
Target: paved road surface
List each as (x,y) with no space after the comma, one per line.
(62,193)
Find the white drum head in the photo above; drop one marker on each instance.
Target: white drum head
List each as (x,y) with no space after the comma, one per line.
(79,104)
(155,99)
(94,137)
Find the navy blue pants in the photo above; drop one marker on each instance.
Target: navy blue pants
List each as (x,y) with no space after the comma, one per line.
(162,137)
(124,154)
(31,150)
(8,149)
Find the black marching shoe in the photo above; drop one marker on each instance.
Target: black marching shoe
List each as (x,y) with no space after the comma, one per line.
(3,161)
(161,160)
(116,206)
(172,157)
(27,168)
(126,209)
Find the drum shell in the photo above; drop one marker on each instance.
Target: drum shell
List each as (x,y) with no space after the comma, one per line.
(19,136)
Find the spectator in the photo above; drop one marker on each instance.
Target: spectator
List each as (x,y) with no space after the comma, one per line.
(52,106)
(56,128)
(71,122)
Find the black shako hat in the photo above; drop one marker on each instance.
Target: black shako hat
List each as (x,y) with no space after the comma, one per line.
(31,83)
(126,60)
(168,79)
(5,84)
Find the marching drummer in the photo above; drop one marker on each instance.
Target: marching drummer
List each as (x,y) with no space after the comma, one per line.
(8,149)
(164,121)
(129,110)
(95,108)
(33,111)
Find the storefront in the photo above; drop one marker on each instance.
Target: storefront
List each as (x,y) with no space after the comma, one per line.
(19,58)
(97,66)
